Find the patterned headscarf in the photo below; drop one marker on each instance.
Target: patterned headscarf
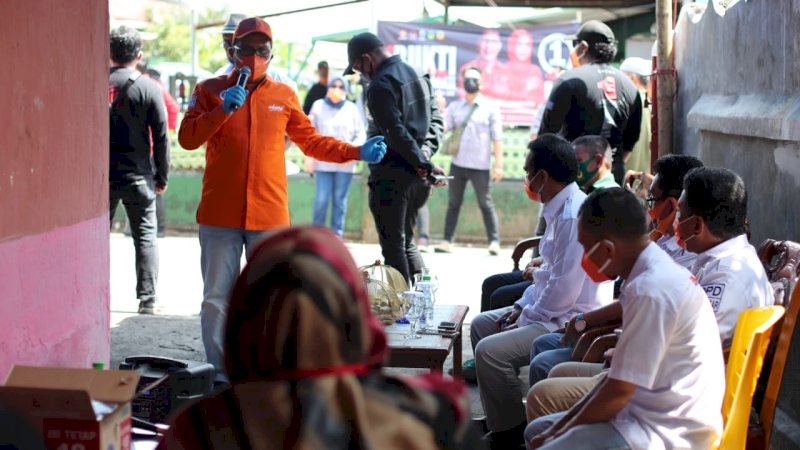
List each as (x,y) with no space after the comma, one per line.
(302,353)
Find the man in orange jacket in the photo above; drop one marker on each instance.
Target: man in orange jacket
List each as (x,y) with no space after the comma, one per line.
(244,185)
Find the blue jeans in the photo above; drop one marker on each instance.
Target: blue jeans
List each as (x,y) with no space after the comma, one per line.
(332,187)
(220,258)
(547,351)
(595,436)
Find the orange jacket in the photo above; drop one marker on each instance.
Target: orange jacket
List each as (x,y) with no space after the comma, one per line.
(244,185)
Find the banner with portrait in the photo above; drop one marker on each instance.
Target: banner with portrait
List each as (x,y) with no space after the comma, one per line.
(518,65)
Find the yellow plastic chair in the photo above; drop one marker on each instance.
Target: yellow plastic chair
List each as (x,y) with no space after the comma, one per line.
(750,341)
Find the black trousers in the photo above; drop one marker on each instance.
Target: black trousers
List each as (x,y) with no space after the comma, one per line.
(394,202)
(481,180)
(139,199)
(502,289)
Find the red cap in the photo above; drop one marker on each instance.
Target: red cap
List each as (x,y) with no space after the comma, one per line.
(252,25)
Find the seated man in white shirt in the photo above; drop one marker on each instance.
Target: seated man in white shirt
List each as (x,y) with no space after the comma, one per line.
(502,337)
(711,222)
(726,266)
(666,382)
(550,350)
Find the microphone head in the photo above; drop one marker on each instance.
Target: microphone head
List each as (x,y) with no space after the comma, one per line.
(245,70)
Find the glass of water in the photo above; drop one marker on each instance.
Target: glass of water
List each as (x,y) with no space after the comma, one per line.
(416,306)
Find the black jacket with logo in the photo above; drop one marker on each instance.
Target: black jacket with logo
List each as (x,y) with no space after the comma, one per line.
(595,99)
(405,113)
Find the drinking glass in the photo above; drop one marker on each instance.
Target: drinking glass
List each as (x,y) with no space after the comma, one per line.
(415,310)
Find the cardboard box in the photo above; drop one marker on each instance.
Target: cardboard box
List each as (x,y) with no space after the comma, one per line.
(60,403)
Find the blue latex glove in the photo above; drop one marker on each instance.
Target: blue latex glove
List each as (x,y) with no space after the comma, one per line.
(234,98)
(373,150)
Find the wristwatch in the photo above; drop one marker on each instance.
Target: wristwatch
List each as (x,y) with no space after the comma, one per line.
(580,323)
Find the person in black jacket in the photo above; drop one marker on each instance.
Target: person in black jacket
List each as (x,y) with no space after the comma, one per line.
(404,111)
(318,89)
(595,98)
(137,118)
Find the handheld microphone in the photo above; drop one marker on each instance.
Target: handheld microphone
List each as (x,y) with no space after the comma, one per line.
(244,75)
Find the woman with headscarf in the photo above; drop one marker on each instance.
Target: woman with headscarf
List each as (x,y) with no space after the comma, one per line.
(337,117)
(303,352)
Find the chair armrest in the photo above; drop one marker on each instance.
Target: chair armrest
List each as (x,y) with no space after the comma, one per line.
(588,337)
(599,347)
(523,246)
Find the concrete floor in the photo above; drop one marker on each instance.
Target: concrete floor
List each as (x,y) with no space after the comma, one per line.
(175,330)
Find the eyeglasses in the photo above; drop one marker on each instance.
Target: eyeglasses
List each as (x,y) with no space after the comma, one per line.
(263,52)
(337,86)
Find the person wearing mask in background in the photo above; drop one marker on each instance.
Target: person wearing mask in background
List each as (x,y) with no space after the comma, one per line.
(594,97)
(404,110)
(502,338)
(318,90)
(665,387)
(138,123)
(594,163)
(227,42)
(481,139)
(639,71)
(245,195)
(337,117)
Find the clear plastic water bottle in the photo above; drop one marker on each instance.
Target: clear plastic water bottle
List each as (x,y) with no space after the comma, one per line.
(426,287)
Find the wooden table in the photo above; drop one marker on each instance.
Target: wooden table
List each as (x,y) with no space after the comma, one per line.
(430,351)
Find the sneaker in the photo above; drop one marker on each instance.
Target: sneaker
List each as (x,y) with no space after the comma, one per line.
(444,247)
(494,248)
(147,307)
(422,244)
(468,372)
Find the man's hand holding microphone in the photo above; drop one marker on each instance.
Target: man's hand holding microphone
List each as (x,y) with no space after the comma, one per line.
(235,96)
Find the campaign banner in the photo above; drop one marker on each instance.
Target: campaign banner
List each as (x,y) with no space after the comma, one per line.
(518,65)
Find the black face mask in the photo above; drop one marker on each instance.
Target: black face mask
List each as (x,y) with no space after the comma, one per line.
(364,75)
(472,85)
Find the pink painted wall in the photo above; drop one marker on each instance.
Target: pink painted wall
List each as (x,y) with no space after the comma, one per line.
(54,268)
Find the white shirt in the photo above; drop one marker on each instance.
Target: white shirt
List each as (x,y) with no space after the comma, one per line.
(484,127)
(560,286)
(342,123)
(678,254)
(734,280)
(669,349)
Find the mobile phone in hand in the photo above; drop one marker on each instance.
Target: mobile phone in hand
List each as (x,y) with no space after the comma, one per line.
(437,178)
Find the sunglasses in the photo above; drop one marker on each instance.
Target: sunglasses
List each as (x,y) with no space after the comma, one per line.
(263,52)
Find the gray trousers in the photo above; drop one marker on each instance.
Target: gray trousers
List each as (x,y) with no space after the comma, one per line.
(498,357)
(594,436)
(480,180)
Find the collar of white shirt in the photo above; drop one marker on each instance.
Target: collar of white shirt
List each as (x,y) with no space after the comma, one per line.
(721,250)
(555,204)
(642,262)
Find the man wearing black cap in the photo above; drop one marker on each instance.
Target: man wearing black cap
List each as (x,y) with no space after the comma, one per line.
(595,98)
(403,109)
